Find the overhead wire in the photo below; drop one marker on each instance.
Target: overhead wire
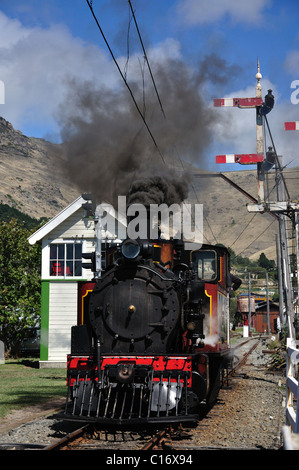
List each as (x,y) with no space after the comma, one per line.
(230,246)
(128,47)
(160,102)
(89,3)
(269,192)
(277,159)
(123,76)
(146,58)
(274,220)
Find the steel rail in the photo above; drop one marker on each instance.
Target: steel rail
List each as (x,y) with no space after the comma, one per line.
(66,439)
(243,360)
(156,439)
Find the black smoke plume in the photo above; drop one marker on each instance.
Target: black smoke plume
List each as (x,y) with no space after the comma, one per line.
(108,146)
(159,190)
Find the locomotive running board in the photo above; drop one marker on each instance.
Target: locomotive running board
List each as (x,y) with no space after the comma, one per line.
(133,421)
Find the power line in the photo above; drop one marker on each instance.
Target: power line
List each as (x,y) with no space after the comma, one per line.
(128,48)
(249,222)
(161,106)
(277,159)
(89,3)
(257,237)
(243,230)
(145,56)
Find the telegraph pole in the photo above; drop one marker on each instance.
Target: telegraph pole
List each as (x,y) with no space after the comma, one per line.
(249,304)
(297,256)
(285,256)
(259,135)
(294,126)
(280,287)
(268,304)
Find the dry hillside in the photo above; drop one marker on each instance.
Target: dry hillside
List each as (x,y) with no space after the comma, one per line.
(32,180)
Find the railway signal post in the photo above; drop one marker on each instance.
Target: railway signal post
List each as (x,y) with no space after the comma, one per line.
(256,103)
(281,208)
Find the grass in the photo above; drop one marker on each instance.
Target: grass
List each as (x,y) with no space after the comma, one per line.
(22,384)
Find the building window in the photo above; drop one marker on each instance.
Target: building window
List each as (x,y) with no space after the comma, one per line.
(66,259)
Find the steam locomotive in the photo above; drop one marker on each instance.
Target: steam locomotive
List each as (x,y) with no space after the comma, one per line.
(154,341)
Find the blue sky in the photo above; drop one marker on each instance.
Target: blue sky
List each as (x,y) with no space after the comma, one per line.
(44,45)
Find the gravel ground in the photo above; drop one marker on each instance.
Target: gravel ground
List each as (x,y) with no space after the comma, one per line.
(249,415)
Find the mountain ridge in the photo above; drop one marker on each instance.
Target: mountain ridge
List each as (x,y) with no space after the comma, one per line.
(34,182)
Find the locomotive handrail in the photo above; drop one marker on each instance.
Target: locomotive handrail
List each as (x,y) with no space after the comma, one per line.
(292,386)
(148,268)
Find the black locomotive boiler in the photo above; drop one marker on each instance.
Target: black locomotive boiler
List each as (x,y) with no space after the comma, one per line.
(154,339)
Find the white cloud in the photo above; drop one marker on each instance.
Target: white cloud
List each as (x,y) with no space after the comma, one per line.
(292,63)
(35,65)
(194,12)
(12,31)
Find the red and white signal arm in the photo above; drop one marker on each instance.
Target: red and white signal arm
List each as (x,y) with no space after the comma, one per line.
(238,102)
(291,126)
(243,158)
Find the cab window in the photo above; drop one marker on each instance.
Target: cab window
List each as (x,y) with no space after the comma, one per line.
(204,264)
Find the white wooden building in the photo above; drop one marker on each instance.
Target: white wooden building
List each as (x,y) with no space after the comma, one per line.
(64,238)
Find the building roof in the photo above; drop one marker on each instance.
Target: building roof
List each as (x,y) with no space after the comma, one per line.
(263,306)
(58,219)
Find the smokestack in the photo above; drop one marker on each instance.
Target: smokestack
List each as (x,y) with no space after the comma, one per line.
(159,190)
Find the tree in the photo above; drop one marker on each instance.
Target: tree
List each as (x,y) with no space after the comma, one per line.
(266,263)
(19,284)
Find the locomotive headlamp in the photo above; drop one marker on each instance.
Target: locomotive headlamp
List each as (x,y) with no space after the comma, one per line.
(125,372)
(130,249)
(191,326)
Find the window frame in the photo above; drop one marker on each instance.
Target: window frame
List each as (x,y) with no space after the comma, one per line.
(212,279)
(65,259)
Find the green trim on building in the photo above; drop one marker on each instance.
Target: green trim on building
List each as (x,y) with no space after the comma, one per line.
(44,336)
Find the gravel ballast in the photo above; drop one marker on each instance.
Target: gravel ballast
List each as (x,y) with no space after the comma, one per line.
(250,414)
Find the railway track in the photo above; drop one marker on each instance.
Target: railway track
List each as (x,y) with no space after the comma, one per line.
(172,438)
(242,361)
(167,438)
(84,439)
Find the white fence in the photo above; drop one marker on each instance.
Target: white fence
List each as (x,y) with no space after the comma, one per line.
(292,388)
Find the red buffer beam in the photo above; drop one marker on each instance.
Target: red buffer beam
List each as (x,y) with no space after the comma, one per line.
(243,159)
(291,126)
(238,102)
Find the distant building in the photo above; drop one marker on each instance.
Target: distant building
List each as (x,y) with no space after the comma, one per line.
(64,238)
(260,317)
(258,312)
